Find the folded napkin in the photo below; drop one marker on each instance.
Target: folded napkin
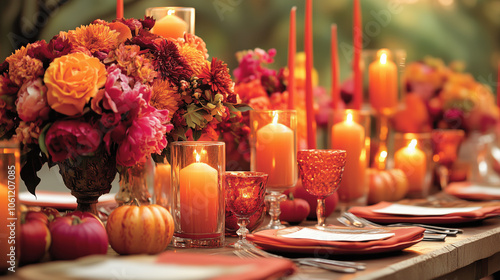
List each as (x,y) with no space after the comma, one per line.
(263,268)
(368,212)
(466,190)
(274,240)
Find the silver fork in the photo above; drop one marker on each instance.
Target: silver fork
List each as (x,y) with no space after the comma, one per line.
(350,219)
(248,250)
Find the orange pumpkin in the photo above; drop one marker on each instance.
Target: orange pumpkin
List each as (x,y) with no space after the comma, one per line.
(144,229)
(386,185)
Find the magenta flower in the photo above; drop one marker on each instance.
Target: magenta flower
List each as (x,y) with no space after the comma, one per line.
(70,139)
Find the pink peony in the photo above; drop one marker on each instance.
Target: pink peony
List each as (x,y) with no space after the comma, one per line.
(145,136)
(32,102)
(70,139)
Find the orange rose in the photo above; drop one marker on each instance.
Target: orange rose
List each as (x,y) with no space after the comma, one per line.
(72,80)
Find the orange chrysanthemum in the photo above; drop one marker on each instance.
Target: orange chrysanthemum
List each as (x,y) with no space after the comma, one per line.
(128,58)
(23,67)
(164,97)
(194,57)
(94,37)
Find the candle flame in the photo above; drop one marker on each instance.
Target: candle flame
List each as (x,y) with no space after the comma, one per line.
(349,118)
(413,144)
(170,12)
(275,117)
(382,156)
(197,156)
(383,58)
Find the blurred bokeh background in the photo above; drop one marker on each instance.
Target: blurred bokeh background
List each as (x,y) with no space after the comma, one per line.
(465,30)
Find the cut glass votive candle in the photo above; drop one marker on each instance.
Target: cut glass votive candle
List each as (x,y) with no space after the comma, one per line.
(413,155)
(198,194)
(350,131)
(172,22)
(10,222)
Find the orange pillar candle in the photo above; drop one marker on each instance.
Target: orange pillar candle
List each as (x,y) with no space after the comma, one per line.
(163,185)
(170,26)
(198,191)
(350,136)
(274,155)
(413,162)
(383,83)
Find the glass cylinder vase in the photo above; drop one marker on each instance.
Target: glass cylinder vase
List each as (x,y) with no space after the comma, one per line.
(198,193)
(136,183)
(273,142)
(172,22)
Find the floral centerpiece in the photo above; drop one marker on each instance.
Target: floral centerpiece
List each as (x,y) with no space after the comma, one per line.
(442,96)
(110,95)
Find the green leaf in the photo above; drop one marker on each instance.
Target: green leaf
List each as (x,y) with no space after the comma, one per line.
(41,139)
(240,107)
(194,117)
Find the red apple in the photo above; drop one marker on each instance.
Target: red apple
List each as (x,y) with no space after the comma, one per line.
(294,210)
(74,237)
(34,237)
(330,202)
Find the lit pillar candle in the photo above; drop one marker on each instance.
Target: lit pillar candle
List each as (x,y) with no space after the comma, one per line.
(198,192)
(350,136)
(413,162)
(383,83)
(163,185)
(170,26)
(274,154)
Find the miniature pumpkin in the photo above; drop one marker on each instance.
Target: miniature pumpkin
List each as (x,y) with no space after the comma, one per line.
(146,229)
(386,185)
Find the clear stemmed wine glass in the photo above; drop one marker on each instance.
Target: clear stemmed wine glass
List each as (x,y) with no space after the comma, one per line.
(445,144)
(245,192)
(321,173)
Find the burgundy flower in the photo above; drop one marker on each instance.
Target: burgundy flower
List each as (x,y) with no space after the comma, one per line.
(70,139)
(170,64)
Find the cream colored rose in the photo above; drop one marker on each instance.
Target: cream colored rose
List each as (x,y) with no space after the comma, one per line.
(72,80)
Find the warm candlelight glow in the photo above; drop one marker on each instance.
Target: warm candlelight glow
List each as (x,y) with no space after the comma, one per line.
(383,58)
(382,157)
(383,83)
(197,156)
(413,162)
(170,12)
(348,119)
(412,145)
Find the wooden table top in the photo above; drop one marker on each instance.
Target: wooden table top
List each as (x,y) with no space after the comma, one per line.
(471,255)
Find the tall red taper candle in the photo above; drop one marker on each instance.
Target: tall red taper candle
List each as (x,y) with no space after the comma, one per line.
(358,47)
(498,85)
(119,8)
(308,47)
(292,46)
(335,69)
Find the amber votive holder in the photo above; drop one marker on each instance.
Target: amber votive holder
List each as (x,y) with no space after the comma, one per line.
(198,194)
(9,211)
(172,22)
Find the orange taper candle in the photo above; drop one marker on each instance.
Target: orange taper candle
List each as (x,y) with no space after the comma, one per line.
(291,59)
(335,69)
(358,47)
(308,47)
(119,9)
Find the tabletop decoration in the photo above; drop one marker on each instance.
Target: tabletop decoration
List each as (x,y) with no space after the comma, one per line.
(413,155)
(321,173)
(172,22)
(244,193)
(349,131)
(198,186)
(66,101)
(10,155)
(274,151)
(309,62)
(445,145)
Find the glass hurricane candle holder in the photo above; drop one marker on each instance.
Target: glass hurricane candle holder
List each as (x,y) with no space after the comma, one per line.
(350,131)
(172,22)
(413,155)
(10,222)
(245,192)
(321,174)
(198,193)
(445,145)
(273,143)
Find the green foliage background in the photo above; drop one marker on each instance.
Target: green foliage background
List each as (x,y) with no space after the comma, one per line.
(466,30)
